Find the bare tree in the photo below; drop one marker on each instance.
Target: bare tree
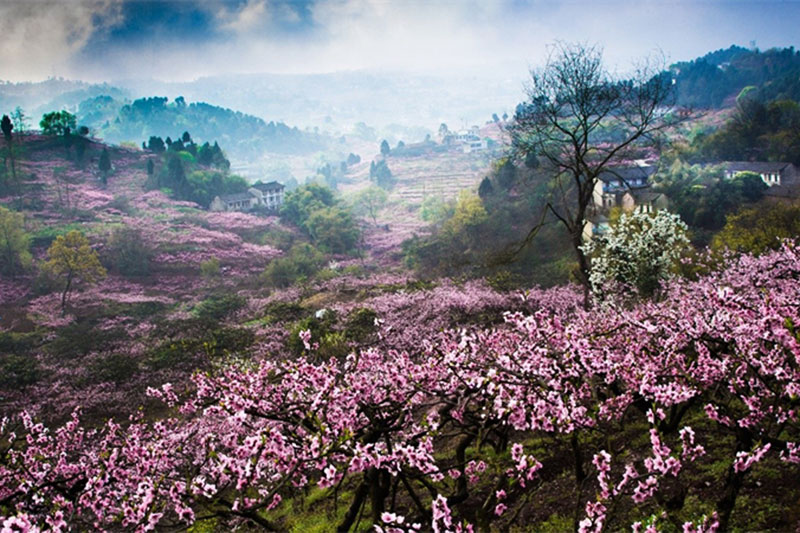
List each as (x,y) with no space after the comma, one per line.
(581,121)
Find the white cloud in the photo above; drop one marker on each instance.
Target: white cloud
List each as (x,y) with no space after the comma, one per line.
(41,37)
(246,18)
(500,36)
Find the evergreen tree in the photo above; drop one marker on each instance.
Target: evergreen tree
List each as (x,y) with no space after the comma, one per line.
(205,155)
(385,148)
(176,176)
(485,189)
(507,174)
(379,173)
(104,165)
(156,144)
(6,126)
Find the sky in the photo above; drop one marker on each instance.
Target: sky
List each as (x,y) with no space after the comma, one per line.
(182,40)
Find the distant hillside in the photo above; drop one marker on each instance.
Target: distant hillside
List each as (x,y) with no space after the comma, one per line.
(37,98)
(244,136)
(716,78)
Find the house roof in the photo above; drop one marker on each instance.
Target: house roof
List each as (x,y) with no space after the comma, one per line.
(627,173)
(271,186)
(645,196)
(236,197)
(755,166)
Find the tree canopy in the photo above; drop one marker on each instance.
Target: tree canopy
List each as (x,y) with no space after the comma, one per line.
(70,258)
(57,122)
(14,242)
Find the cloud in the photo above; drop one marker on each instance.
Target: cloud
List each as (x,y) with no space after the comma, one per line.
(183,39)
(247,17)
(41,37)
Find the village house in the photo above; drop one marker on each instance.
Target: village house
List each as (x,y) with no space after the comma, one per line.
(612,185)
(781,177)
(267,196)
(468,140)
(625,188)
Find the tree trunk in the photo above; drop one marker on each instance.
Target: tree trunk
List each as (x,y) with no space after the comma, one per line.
(733,481)
(65,293)
(355,507)
(583,265)
(379,490)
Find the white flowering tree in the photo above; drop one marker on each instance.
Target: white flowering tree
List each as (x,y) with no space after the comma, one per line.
(638,252)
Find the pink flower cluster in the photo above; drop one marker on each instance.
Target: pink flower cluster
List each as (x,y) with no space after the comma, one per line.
(246,437)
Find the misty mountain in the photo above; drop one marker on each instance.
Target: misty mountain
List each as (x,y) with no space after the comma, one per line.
(243,136)
(53,94)
(342,99)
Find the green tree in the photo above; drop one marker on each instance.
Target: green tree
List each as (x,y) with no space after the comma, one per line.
(468,214)
(749,186)
(434,210)
(506,173)
(369,201)
(758,229)
(14,242)
(333,230)
(301,202)
(70,258)
(385,150)
(176,177)
(19,118)
(57,122)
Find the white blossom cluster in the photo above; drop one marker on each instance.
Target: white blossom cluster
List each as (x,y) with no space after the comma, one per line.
(638,252)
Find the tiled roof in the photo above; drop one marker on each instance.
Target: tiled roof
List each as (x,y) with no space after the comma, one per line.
(271,186)
(755,166)
(236,197)
(627,173)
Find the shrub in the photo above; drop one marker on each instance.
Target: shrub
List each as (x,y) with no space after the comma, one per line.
(18,370)
(128,252)
(284,312)
(210,268)
(361,324)
(301,263)
(117,368)
(218,308)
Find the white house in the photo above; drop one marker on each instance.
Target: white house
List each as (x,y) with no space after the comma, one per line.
(778,173)
(263,195)
(615,182)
